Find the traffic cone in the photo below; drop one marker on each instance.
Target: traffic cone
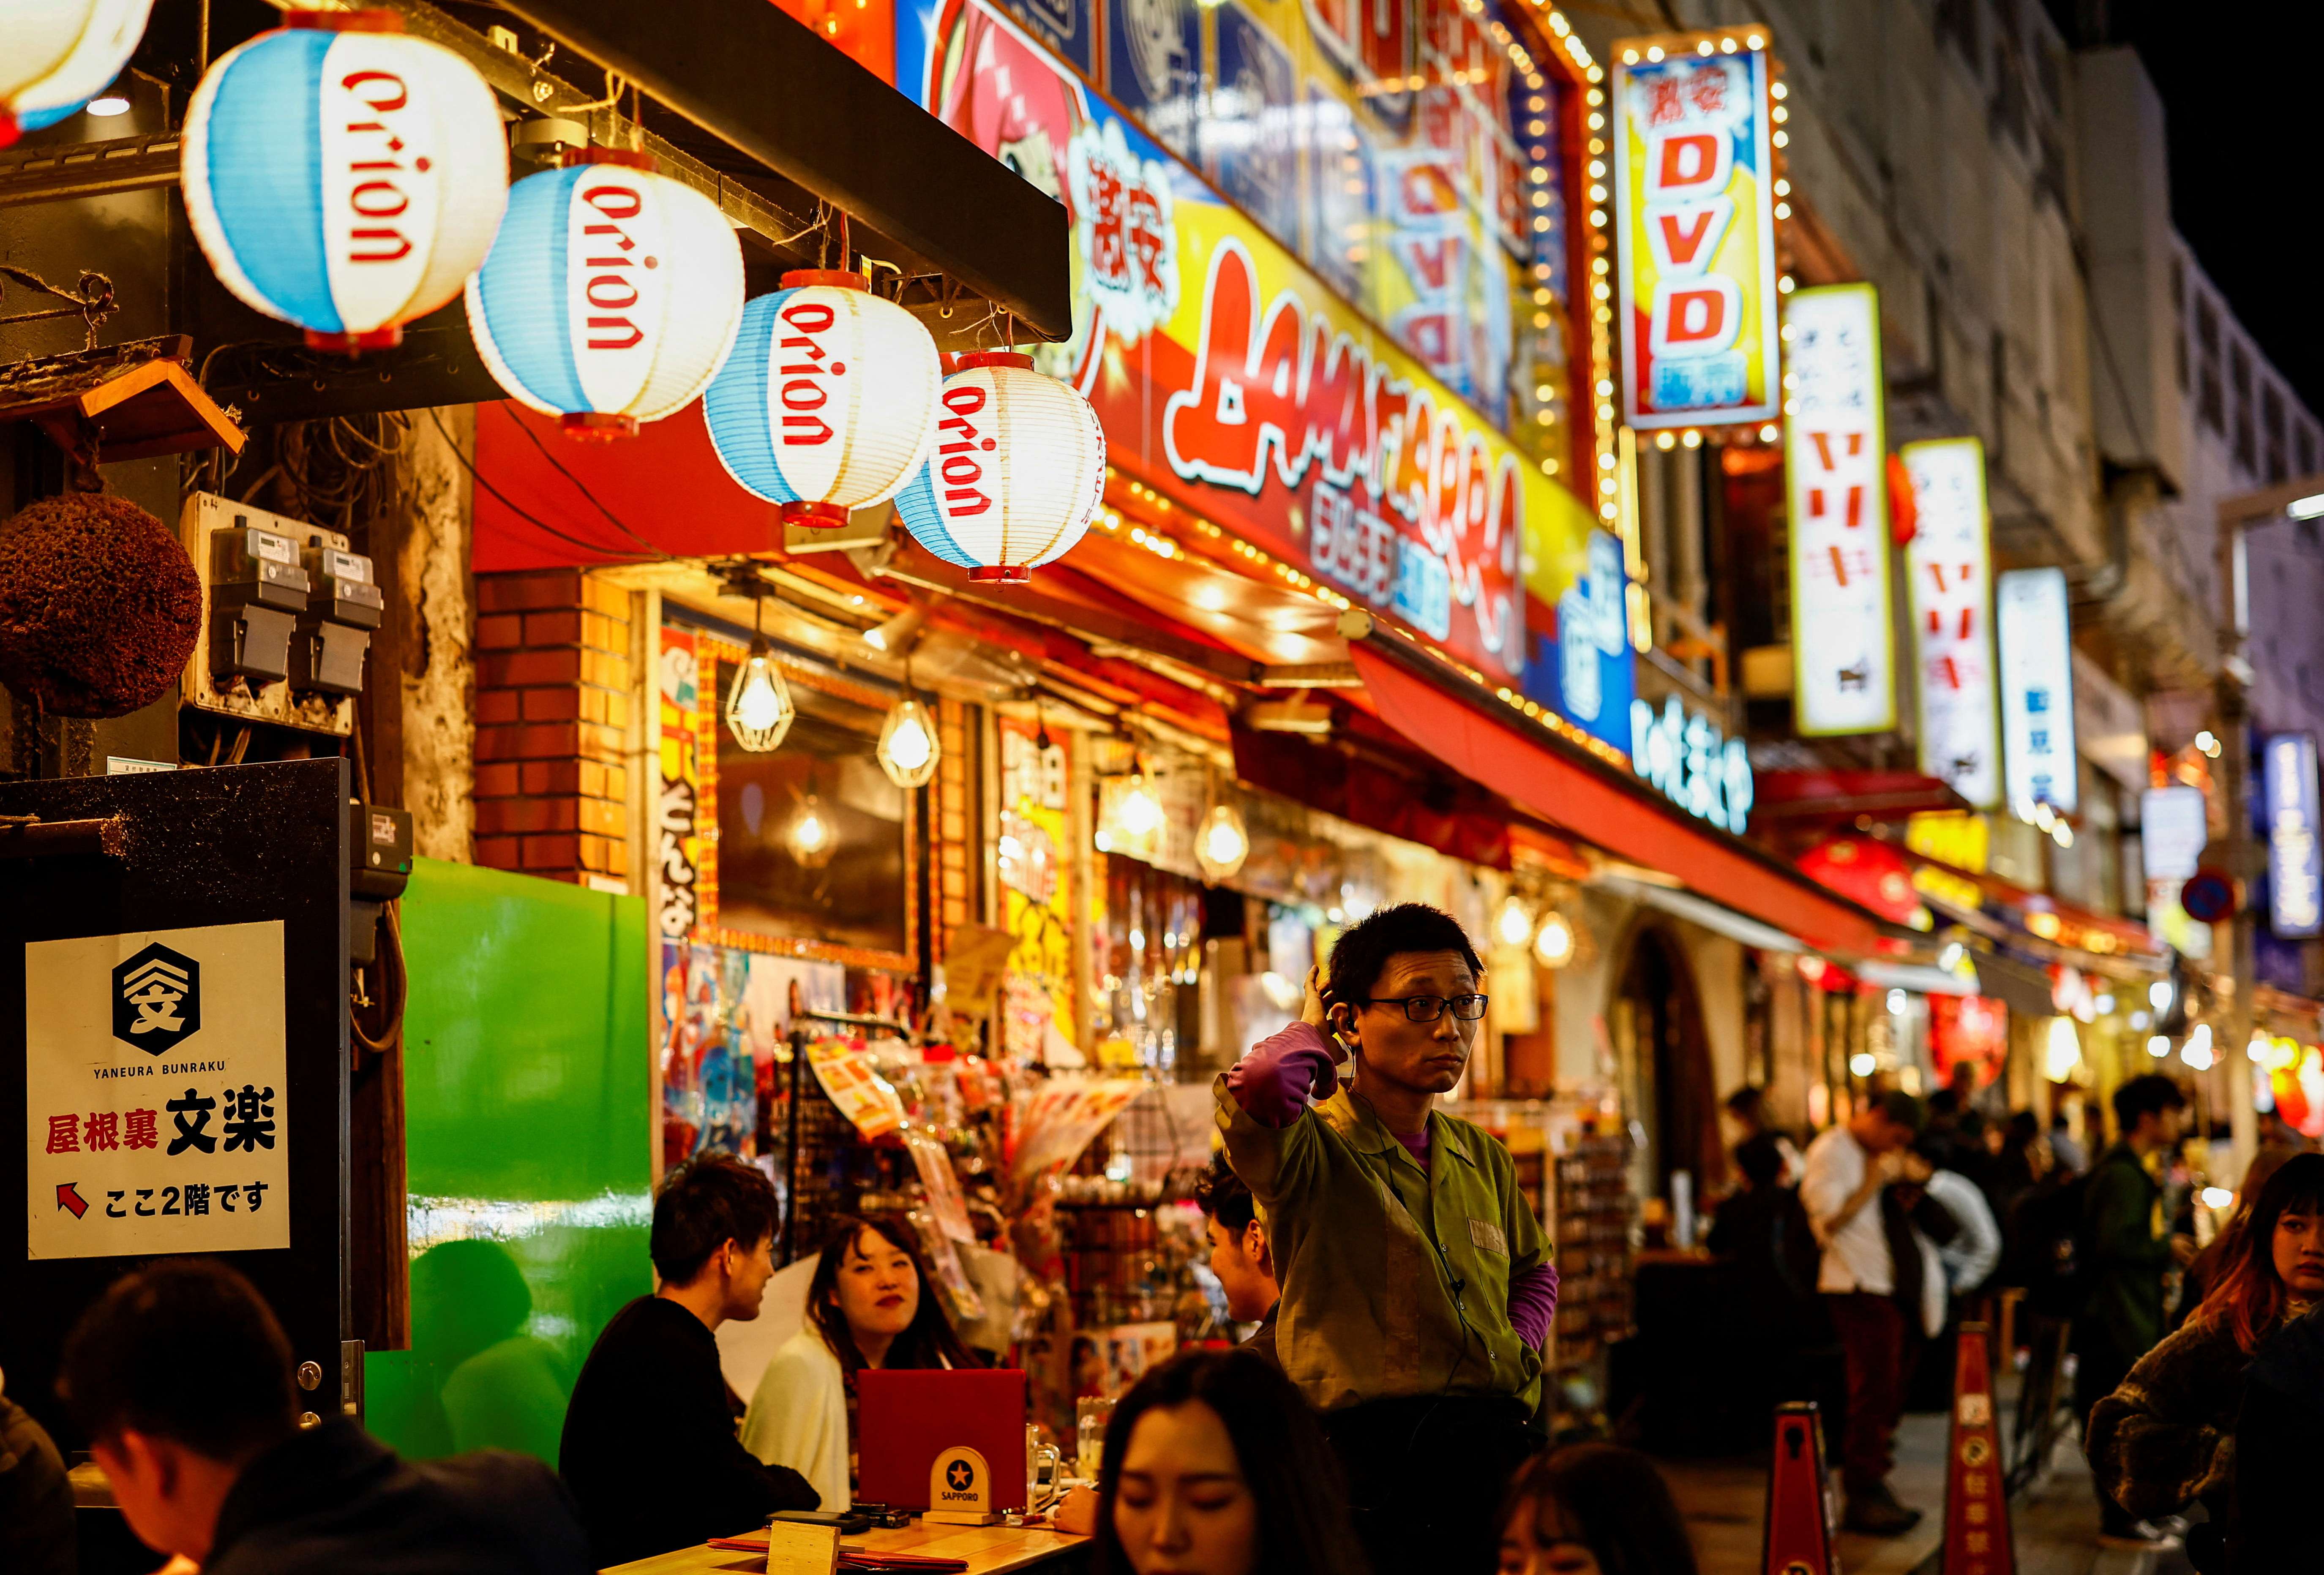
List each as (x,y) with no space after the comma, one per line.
(1977,1501)
(1799,1521)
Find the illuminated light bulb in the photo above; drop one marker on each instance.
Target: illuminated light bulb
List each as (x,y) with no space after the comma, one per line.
(107,104)
(2158,995)
(2159,1045)
(907,747)
(2064,1051)
(1140,814)
(1222,842)
(1862,1065)
(1514,924)
(811,835)
(1898,1002)
(1553,946)
(758,709)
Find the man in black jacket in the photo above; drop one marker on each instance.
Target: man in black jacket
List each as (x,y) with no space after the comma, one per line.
(181,1378)
(650,1447)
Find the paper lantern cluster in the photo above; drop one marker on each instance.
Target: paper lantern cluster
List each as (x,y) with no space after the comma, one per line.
(1016,474)
(612,295)
(829,401)
(343,177)
(56,55)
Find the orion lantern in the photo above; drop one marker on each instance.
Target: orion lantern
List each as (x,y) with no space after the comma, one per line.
(612,295)
(343,177)
(56,55)
(829,401)
(1016,474)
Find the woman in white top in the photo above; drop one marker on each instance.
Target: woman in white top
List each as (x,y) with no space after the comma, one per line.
(869,1305)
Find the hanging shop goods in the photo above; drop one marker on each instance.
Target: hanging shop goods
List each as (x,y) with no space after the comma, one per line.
(1016,474)
(343,177)
(611,296)
(908,751)
(829,401)
(56,55)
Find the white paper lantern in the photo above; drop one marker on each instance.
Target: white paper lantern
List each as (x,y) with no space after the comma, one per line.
(343,177)
(829,401)
(56,55)
(1017,475)
(611,296)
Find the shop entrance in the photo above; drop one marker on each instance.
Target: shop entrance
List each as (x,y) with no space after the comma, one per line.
(1658,1020)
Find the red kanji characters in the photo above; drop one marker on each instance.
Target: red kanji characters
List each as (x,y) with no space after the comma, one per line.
(1664,105)
(1707,90)
(141,1129)
(1109,256)
(1144,228)
(64,1133)
(103,1130)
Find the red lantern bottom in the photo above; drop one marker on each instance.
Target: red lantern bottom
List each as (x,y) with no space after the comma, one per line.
(9,130)
(1002,574)
(596,427)
(386,338)
(816,516)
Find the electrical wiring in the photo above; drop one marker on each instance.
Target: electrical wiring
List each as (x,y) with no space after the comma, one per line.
(605,554)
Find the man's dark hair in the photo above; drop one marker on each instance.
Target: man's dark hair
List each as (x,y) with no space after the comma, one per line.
(1902,1109)
(184,1350)
(1747,1103)
(1944,1102)
(2058,1121)
(1365,947)
(703,1204)
(1220,1194)
(1761,1158)
(2149,1094)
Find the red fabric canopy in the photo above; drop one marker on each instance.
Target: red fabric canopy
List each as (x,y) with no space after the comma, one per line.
(1571,789)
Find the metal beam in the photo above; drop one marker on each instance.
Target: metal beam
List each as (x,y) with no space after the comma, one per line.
(765,83)
(107,169)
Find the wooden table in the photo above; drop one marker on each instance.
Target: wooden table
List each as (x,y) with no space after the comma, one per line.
(989,1550)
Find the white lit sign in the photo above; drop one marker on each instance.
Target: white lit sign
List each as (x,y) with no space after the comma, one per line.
(2037,690)
(1952,571)
(1835,454)
(1694,762)
(2174,827)
(2295,863)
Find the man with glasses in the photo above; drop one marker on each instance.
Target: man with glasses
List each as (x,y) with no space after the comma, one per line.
(1416,1285)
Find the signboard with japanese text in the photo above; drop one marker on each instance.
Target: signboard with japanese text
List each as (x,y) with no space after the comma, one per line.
(1036,870)
(1694,763)
(1835,458)
(157,1093)
(1393,446)
(1597,679)
(2295,858)
(1695,215)
(1949,568)
(678,811)
(2039,759)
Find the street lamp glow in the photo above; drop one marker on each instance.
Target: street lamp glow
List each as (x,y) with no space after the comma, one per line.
(1553,947)
(1861,1065)
(1514,923)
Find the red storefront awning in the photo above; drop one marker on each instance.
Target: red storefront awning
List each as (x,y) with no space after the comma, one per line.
(1530,765)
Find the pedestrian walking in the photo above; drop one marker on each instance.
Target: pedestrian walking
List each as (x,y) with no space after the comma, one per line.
(1593,1509)
(2160,1442)
(1874,1280)
(2128,1252)
(1213,1465)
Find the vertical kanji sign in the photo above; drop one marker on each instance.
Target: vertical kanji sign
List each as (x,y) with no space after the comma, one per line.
(157,1092)
(1951,570)
(2034,625)
(1835,457)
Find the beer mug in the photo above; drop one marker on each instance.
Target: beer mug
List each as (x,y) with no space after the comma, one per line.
(1045,1462)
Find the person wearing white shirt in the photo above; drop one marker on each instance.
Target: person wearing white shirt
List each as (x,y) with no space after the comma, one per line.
(1849,1170)
(1975,1250)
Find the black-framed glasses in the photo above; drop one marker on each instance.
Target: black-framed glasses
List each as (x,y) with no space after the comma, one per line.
(1428,1008)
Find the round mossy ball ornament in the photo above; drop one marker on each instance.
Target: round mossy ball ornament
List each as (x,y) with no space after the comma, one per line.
(99,606)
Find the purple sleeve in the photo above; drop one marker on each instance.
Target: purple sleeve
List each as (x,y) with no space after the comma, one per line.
(1532,1301)
(1273,1083)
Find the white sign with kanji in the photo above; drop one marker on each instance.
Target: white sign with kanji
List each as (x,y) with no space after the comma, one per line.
(1835,457)
(157,1108)
(1951,577)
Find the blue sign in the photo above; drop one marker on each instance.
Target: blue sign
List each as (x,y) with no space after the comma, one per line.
(1594,680)
(2295,859)
(1154,66)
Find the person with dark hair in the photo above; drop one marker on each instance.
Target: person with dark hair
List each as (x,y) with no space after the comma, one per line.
(1593,1509)
(2129,1253)
(870,1305)
(1417,1288)
(1240,1256)
(1874,1283)
(650,1447)
(1747,1107)
(38,1535)
(2063,1147)
(181,1378)
(1214,1465)
(1762,1231)
(2202,1273)
(2161,1441)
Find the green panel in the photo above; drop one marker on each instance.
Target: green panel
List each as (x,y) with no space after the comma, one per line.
(527,1087)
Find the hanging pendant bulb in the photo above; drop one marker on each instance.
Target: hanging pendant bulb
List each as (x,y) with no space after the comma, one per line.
(811,836)
(1222,842)
(907,750)
(1141,812)
(1553,946)
(758,709)
(1514,924)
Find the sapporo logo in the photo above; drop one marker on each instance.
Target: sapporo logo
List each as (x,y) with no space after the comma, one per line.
(157,1000)
(960,1477)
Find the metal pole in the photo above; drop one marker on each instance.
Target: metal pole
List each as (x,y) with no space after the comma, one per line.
(2235,788)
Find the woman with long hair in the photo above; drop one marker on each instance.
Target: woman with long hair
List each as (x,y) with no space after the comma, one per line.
(1213,1465)
(870,1305)
(2161,1441)
(1592,1509)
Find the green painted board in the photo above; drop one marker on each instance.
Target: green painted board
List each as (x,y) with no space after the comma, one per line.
(527,1090)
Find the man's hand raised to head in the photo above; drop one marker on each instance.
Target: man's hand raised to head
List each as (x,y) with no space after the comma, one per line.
(1316,1014)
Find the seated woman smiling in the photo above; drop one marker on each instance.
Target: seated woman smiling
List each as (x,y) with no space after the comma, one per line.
(869,1305)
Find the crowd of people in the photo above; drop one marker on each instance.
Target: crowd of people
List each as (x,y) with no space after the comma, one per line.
(1908,1216)
(1386,1416)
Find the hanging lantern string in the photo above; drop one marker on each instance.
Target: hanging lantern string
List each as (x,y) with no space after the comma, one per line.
(615,86)
(91,300)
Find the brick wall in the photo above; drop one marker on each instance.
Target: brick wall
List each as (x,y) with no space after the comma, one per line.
(552,711)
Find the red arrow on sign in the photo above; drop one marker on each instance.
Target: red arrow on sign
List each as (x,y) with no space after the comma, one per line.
(69,1197)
